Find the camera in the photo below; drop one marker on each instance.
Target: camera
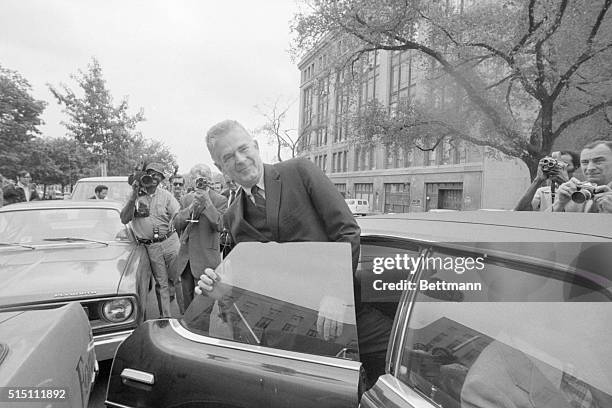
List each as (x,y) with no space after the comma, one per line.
(141,176)
(548,164)
(585,191)
(202,183)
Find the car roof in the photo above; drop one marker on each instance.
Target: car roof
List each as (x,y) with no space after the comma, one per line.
(494,226)
(107,178)
(61,204)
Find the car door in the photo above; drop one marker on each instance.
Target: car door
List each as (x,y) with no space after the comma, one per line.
(255,341)
(498,327)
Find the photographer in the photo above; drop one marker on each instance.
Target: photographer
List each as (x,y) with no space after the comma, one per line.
(151,209)
(594,195)
(558,168)
(197,223)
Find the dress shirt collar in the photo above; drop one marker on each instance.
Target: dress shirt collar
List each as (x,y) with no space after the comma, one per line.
(260,185)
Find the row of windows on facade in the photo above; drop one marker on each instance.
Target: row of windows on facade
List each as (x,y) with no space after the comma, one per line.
(365,157)
(402,87)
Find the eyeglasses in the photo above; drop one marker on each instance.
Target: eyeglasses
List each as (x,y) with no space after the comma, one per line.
(178,184)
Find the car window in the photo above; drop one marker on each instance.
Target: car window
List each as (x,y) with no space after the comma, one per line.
(483,331)
(117,190)
(350,202)
(273,294)
(34,226)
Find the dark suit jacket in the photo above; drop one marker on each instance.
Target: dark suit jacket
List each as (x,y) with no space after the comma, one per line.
(302,204)
(199,241)
(15,194)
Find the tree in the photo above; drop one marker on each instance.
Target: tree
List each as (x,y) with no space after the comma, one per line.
(515,75)
(275,128)
(19,121)
(140,150)
(104,129)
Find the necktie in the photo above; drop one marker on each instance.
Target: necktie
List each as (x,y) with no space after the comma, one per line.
(260,202)
(231,198)
(577,392)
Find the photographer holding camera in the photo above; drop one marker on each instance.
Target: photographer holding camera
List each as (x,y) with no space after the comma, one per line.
(594,195)
(554,170)
(198,224)
(151,210)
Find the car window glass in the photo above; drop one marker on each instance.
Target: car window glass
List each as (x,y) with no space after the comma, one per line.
(33,226)
(117,190)
(272,295)
(516,326)
(384,265)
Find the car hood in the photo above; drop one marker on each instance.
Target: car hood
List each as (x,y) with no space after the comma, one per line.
(61,273)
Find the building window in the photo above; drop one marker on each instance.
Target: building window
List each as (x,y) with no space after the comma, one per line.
(289,328)
(342,108)
(263,322)
(402,82)
(365,191)
(307,107)
(322,111)
(397,197)
(339,162)
(370,84)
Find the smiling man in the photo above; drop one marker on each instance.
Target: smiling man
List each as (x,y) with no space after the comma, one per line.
(293,201)
(596,163)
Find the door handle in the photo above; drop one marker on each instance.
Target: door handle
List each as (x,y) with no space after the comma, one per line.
(138,376)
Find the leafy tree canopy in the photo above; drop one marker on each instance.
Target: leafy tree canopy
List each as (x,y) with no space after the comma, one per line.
(515,75)
(103,128)
(19,120)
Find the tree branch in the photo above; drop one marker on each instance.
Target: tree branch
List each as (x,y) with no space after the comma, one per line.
(581,116)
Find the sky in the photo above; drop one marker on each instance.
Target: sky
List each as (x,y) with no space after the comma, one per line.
(187,63)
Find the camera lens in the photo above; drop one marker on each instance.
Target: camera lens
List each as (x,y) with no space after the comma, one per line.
(581,196)
(146,180)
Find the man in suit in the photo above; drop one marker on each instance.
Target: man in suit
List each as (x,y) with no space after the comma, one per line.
(197,224)
(287,202)
(24,190)
(230,190)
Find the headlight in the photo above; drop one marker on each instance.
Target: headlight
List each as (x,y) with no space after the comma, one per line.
(116,310)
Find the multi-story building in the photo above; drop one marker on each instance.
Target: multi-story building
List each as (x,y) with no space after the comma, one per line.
(455,175)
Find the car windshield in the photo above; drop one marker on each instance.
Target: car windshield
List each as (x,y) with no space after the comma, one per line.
(274,295)
(481,319)
(38,226)
(117,190)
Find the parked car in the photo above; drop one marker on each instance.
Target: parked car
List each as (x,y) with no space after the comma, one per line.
(56,252)
(50,350)
(482,303)
(118,188)
(358,206)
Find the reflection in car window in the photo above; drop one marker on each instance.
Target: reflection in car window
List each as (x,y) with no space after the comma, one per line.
(34,226)
(529,332)
(271,294)
(372,273)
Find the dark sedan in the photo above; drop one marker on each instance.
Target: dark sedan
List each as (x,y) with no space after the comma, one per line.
(491,309)
(55,252)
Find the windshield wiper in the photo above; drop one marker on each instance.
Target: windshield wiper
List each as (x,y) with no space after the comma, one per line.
(75,239)
(16,244)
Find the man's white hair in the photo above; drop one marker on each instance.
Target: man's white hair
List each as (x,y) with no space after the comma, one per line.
(219,130)
(202,169)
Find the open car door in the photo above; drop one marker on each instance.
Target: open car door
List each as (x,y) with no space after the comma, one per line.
(278,330)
